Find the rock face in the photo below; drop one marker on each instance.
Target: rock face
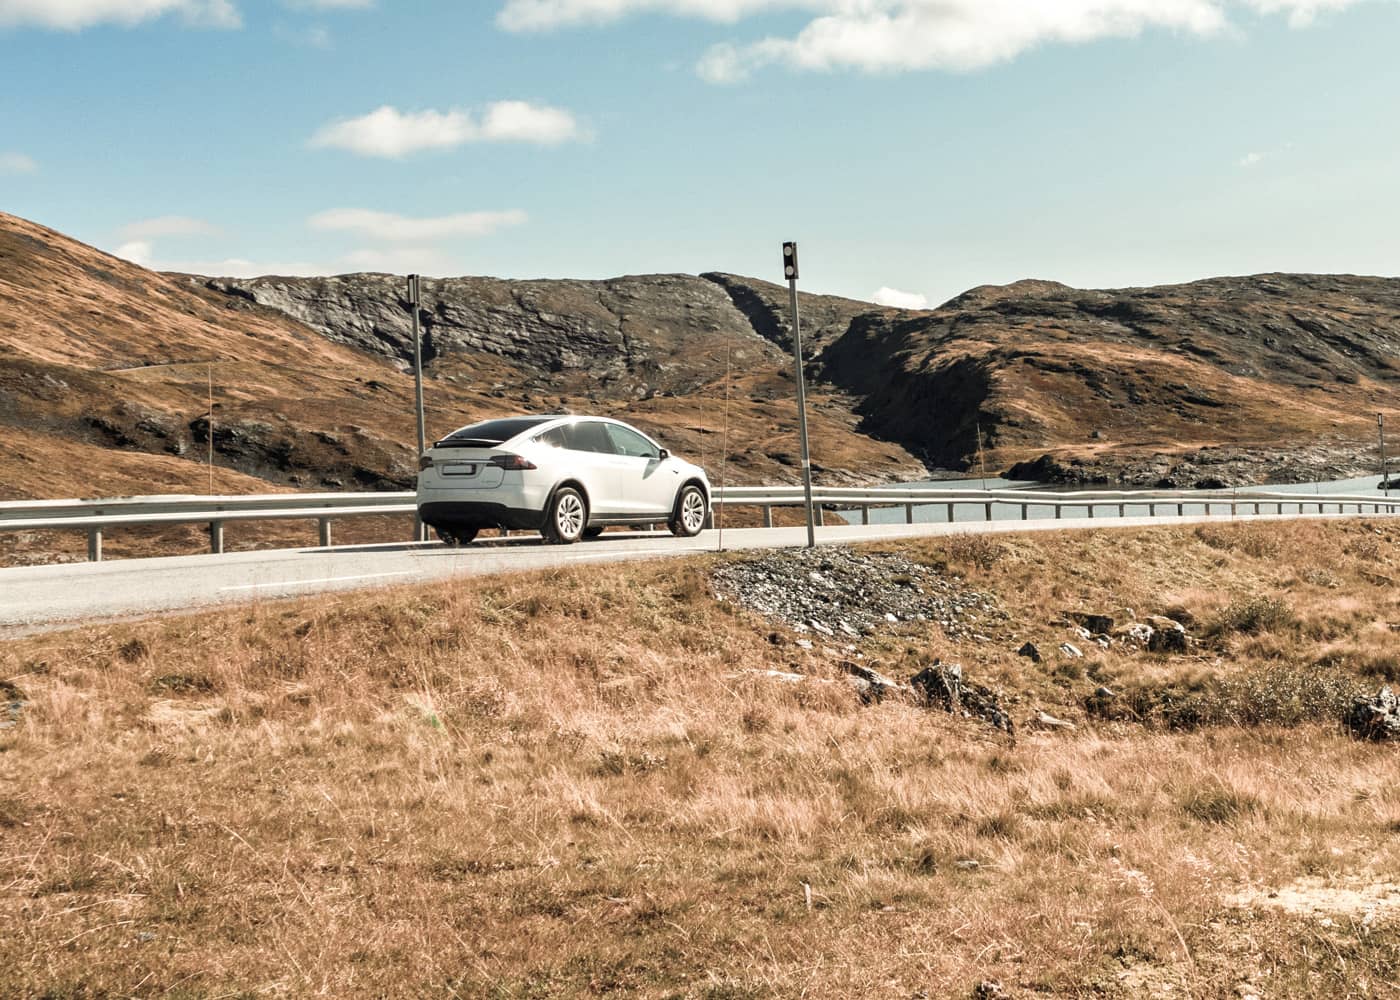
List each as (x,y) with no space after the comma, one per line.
(631,336)
(1119,379)
(1065,385)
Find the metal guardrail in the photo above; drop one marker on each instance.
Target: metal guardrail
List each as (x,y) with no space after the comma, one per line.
(96,516)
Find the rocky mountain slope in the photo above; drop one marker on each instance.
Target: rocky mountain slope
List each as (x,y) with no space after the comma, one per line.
(1228,380)
(309,383)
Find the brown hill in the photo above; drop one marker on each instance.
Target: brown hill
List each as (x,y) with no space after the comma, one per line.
(1231,379)
(106,370)
(1272,377)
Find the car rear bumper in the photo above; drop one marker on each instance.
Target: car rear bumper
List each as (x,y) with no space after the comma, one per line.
(478,513)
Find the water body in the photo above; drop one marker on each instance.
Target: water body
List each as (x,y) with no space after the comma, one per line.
(936,511)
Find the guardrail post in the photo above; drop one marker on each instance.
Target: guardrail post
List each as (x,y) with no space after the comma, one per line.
(216,537)
(1025,514)
(95,544)
(989,512)
(821,516)
(1122,510)
(767,516)
(323,526)
(1091,510)
(1152,510)
(950,513)
(1059,510)
(865,513)
(909,513)
(1181,509)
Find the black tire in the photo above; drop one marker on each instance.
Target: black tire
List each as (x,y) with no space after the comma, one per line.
(591,533)
(566,517)
(453,537)
(689,514)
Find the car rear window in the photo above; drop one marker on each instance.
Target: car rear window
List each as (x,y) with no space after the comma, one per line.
(490,433)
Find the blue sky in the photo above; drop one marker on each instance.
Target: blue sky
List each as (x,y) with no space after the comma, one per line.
(917,146)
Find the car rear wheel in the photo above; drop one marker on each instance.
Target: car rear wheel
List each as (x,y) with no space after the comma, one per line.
(566,518)
(688,516)
(453,537)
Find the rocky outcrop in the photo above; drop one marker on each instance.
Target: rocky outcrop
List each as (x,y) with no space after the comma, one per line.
(1377,718)
(631,336)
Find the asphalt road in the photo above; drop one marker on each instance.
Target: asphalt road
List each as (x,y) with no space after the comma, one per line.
(41,597)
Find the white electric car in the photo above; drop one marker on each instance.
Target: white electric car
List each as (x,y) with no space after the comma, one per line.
(567,477)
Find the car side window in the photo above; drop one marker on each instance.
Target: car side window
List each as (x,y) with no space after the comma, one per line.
(628,442)
(554,438)
(589,435)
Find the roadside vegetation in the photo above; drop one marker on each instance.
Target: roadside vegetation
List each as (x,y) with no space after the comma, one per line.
(588,782)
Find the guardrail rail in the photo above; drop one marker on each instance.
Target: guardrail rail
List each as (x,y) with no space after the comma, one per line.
(97,516)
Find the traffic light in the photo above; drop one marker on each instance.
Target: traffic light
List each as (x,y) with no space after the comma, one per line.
(790,261)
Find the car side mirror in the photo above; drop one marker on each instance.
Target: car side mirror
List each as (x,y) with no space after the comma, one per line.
(663,455)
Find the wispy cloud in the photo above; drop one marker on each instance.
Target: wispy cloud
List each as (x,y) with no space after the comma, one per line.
(74,15)
(143,254)
(329,4)
(900,300)
(17,163)
(877,36)
(399,228)
(1251,160)
(168,225)
(391,133)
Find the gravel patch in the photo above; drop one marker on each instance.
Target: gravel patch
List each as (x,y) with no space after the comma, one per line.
(839,594)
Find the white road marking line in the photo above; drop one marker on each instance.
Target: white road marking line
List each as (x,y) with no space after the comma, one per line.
(619,553)
(324,579)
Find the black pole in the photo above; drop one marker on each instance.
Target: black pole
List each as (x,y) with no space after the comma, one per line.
(790,271)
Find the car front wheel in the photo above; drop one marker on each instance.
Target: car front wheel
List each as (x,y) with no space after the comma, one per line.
(688,517)
(566,518)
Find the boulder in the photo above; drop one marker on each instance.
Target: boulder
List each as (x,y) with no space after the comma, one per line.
(1044,720)
(1375,718)
(943,685)
(1095,624)
(869,682)
(1071,650)
(1168,636)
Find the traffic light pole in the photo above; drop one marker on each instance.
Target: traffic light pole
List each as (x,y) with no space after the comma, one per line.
(790,270)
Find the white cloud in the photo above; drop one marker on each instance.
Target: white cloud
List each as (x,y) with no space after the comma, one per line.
(389,132)
(400,228)
(137,251)
(900,300)
(538,15)
(401,260)
(74,15)
(168,225)
(17,163)
(1251,160)
(895,35)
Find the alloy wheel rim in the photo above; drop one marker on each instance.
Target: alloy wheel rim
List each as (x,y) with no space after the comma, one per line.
(692,510)
(569,516)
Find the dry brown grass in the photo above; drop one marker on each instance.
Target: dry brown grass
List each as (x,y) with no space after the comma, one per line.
(572,784)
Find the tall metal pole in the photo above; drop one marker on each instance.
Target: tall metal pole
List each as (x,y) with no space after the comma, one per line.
(413,303)
(420,530)
(1385,468)
(790,270)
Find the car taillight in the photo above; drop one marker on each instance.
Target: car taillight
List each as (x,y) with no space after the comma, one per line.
(513,463)
(425,462)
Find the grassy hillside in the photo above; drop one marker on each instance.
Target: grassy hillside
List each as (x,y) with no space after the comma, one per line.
(577,784)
